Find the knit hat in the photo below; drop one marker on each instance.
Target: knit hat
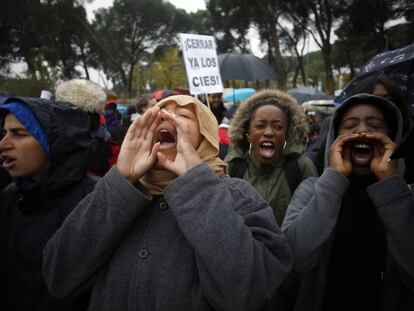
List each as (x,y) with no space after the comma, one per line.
(85,94)
(26,116)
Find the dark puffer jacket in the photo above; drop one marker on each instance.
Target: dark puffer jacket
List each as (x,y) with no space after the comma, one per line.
(28,220)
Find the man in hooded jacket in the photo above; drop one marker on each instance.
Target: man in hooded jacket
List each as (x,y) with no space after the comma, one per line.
(351,229)
(52,139)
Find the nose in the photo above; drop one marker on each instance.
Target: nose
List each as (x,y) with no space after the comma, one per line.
(4,143)
(268,131)
(362,128)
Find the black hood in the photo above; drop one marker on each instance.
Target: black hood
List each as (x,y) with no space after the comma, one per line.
(67,131)
(391,112)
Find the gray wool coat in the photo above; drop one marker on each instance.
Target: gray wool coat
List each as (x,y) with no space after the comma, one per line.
(210,243)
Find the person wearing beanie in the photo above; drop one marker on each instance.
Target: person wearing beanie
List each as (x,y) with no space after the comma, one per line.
(90,97)
(44,147)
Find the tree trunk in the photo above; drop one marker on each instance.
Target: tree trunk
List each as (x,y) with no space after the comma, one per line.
(329,77)
(301,69)
(84,63)
(130,76)
(274,47)
(295,77)
(350,63)
(279,68)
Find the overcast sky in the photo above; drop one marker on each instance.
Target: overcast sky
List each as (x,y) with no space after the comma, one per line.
(188,5)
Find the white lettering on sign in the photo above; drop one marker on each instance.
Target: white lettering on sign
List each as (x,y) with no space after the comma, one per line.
(201,64)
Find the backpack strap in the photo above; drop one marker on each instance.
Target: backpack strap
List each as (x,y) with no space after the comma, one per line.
(292,172)
(238,168)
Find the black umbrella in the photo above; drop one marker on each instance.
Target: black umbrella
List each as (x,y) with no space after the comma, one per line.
(234,66)
(396,64)
(303,94)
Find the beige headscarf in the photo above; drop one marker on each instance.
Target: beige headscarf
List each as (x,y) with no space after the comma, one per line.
(156,180)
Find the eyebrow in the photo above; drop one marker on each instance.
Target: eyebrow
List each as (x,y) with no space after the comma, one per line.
(366,117)
(184,107)
(273,121)
(15,129)
(177,106)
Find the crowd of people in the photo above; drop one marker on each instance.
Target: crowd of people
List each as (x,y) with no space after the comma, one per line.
(182,204)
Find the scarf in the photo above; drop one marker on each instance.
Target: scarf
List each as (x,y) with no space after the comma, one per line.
(358,252)
(156,180)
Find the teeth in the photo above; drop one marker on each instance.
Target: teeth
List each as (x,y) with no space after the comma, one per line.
(270,145)
(360,145)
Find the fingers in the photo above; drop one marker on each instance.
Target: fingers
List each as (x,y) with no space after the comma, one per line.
(152,124)
(166,163)
(143,124)
(343,139)
(339,143)
(154,152)
(182,130)
(149,123)
(383,139)
(384,146)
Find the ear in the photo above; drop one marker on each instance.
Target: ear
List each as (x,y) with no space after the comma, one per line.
(248,137)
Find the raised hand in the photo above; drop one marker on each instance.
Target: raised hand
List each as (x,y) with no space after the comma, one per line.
(138,151)
(186,157)
(340,155)
(381,165)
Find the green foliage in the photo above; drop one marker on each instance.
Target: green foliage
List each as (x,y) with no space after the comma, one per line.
(24,87)
(166,70)
(230,24)
(128,30)
(43,34)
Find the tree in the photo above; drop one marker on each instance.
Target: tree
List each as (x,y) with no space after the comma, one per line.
(168,70)
(363,33)
(232,20)
(318,18)
(7,31)
(230,24)
(124,32)
(266,18)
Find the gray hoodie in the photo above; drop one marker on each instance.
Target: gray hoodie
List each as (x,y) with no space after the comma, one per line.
(312,216)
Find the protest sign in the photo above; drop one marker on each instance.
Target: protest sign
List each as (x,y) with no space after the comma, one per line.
(201,64)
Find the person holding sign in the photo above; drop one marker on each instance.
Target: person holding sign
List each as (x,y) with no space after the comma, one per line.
(175,233)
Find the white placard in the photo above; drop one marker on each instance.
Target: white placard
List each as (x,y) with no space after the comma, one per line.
(201,64)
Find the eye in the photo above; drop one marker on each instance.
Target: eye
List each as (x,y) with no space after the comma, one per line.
(349,124)
(259,126)
(183,115)
(375,125)
(20,133)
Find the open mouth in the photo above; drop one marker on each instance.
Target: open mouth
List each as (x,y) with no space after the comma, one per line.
(267,149)
(8,162)
(166,139)
(362,152)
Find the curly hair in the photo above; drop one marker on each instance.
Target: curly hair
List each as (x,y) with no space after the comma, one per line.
(297,123)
